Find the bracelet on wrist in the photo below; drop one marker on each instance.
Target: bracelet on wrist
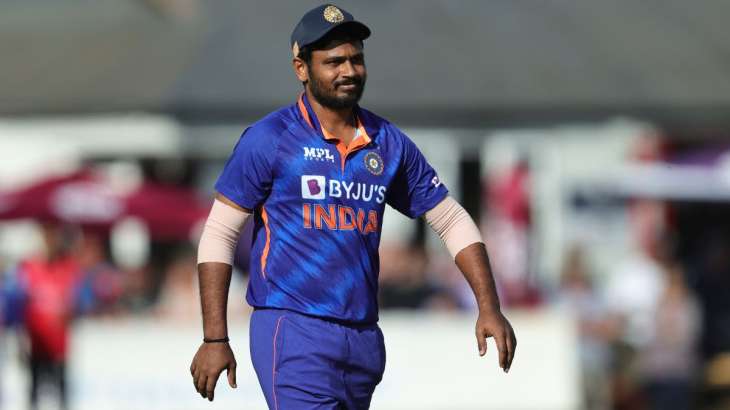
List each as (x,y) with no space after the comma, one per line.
(222,340)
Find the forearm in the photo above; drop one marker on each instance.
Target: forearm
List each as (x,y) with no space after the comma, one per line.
(212,358)
(215,258)
(462,238)
(473,262)
(214,279)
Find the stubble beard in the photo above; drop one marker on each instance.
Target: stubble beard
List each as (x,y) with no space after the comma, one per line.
(329,99)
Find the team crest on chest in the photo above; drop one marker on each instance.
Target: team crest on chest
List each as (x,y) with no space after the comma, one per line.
(374,163)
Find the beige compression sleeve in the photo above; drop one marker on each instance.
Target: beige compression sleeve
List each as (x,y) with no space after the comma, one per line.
(220,234)
(453,225)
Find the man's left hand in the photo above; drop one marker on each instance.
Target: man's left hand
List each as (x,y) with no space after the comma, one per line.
(494,324)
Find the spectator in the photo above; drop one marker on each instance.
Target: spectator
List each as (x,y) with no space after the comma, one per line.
(45,290)
(712,283)
(633,293)
(179,288)
(102,284)
(668,362)
(578,297)
(404,281)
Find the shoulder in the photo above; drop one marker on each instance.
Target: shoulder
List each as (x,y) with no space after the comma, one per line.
(267,132)
(275,123)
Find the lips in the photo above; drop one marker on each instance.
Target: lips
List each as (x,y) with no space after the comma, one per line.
(351,84)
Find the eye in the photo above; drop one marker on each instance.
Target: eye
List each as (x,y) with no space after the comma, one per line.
(333,62)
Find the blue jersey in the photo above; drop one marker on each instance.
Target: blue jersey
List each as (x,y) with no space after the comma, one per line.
(318,208)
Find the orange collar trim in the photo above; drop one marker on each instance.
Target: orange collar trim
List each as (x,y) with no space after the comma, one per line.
(303,110)
(361,134)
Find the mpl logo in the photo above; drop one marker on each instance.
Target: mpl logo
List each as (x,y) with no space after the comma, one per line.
(318,154)
(313,187)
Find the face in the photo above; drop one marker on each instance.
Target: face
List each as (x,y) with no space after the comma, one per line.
(336,75)
(56,238)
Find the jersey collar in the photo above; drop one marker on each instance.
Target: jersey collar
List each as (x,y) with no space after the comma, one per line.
(365,130)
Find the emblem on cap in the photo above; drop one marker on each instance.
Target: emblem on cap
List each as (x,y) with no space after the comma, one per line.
(374,163)
(333,14)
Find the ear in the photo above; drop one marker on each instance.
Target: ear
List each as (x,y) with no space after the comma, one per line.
(300,69)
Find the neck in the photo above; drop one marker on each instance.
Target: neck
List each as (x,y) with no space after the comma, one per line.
(331,119)
(53,256)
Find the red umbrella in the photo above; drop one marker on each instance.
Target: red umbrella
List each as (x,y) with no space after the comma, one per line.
(170,212)
(81,198)
(86,198)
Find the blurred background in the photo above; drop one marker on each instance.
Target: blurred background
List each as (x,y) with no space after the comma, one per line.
(588,139)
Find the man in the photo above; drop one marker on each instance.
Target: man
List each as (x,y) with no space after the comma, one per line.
(316,177)
(45,292)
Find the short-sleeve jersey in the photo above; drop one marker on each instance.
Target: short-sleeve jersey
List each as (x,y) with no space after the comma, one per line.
(318,208)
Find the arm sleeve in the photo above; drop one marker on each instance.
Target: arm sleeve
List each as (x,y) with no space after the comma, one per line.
(248,175)
(453,225)
(220,234)
(416,187)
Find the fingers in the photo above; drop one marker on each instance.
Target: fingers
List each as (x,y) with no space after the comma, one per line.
(232,375)
(502,348)
(196,375)
(210,387)
(504,337)
(207,367)
(481,342)
(511,347)
(200,383)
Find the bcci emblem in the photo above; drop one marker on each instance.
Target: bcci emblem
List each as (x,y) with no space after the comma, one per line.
(374,163)
(333,14)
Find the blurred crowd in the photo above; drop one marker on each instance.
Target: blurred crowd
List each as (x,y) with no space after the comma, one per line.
(70,277)
(655,336)
(653,329)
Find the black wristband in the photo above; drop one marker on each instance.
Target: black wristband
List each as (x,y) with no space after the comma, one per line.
(223,340)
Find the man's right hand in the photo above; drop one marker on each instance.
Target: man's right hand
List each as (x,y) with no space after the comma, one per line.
(208,363)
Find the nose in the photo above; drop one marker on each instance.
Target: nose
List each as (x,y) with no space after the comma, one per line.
(348,69)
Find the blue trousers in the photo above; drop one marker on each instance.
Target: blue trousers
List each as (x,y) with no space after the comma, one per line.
(303,362)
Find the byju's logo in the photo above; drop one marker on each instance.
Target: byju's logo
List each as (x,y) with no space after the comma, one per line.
(313,187)
(318,154)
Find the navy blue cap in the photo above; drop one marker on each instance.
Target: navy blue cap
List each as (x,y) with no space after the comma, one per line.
(319,21)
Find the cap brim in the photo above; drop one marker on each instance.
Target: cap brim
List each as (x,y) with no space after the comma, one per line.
(360,30)
(356,28)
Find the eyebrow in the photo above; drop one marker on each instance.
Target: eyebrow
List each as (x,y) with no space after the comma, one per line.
(342,58)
